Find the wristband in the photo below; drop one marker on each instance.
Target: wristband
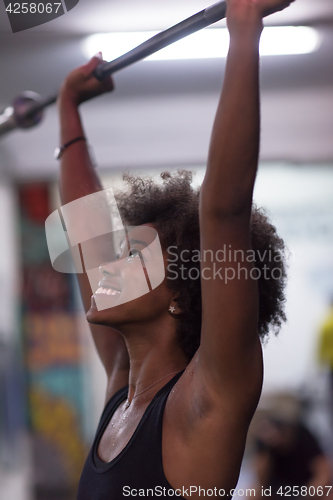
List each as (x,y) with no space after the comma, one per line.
(59,151)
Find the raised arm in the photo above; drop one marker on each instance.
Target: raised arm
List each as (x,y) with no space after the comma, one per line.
(229,357)
(78,178)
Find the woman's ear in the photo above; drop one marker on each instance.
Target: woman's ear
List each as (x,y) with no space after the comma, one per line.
(174,309)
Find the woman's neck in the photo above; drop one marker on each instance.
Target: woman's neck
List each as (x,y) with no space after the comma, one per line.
(151,361)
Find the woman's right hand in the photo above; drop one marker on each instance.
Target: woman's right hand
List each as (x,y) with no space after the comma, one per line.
(244,15)
(81,85)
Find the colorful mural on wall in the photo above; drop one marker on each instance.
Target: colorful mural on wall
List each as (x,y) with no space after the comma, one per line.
(53,356)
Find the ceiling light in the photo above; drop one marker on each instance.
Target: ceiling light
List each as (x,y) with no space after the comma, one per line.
(288,40)
(205,44)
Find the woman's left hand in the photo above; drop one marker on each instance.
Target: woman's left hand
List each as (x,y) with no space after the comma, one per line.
(81,84)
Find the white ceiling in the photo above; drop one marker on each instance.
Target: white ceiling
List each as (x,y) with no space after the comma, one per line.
(91,16)
(161,112)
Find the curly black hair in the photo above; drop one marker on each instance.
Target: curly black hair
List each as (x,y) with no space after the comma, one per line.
(173,207)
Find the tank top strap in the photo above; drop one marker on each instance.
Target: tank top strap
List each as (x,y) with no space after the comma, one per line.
(150,436)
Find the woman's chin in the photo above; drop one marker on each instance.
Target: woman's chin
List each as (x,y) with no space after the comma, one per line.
(94,315)
(93,312)
(101,316)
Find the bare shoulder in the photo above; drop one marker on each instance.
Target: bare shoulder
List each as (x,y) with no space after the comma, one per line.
(199,397)
(205,431)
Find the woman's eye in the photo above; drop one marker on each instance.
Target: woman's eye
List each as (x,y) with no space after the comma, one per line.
(133,252)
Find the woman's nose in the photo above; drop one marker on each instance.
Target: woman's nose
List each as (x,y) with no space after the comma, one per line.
(108,269)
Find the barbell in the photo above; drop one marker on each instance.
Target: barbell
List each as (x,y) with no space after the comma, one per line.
(27,109)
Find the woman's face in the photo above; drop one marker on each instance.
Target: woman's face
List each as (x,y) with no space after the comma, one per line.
(133,287)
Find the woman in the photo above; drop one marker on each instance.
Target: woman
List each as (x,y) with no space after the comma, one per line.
(181,423)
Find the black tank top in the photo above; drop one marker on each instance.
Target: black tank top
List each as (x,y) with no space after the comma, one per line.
(139,465)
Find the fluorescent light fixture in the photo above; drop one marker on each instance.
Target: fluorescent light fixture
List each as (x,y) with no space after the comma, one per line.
(288,40)
(205,44)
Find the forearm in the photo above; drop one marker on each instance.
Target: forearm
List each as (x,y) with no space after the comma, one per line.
(234,146)
(78,177)
(77,174)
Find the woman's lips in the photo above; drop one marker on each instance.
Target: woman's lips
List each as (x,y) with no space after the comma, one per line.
(107,288)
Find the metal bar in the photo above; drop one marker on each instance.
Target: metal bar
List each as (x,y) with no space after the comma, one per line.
(18,117)
(40,105)
(190,25)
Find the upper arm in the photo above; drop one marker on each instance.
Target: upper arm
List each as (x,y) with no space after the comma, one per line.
(230,352)
(113,354)
(220,389)
(110,346)
(229,356)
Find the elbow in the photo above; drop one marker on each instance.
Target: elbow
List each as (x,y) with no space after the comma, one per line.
(225,208)
(226,201)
